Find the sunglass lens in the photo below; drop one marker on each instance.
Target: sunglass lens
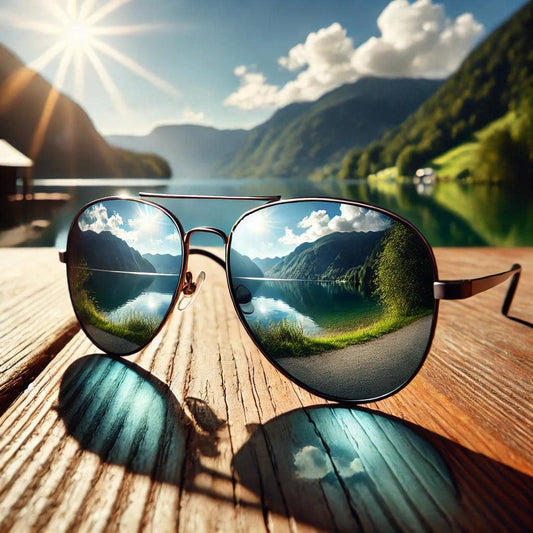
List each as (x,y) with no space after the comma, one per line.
(339,296)
(124,265)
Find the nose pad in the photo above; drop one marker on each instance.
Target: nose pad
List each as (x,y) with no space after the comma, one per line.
(190,290)
(243,297)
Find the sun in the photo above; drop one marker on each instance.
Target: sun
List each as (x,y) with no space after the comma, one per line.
(260,223)
(77,31)
(77,34)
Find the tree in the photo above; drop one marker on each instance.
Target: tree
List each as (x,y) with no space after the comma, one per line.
(404,273)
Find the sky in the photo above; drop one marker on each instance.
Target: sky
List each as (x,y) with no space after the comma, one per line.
(145,228)
(277,230)
(133,64)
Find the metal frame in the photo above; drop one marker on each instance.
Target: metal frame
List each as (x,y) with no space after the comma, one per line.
(443,289)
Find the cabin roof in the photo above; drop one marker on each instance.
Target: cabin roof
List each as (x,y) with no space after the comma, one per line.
(11,157)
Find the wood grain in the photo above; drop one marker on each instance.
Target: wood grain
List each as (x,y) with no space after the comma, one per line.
(198,432)
(36,318)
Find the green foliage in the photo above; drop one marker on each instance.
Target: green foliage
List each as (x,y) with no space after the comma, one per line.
(287,339)
(302,137)
(506,155)
(404,273)
(492,80)
(134,326)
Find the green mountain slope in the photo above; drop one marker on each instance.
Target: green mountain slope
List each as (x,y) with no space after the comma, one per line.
(302,137)
(57,134)
(493,79)
(328,258)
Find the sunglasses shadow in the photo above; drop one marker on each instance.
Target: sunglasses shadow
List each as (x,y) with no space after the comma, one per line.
(322,465)
(125,415)
(361,470)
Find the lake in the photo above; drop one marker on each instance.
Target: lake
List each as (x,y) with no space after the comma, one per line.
(448,214)
(319,307)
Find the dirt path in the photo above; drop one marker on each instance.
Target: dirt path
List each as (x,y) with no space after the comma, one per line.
(364,371)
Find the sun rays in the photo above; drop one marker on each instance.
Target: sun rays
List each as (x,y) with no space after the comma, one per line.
(77,30)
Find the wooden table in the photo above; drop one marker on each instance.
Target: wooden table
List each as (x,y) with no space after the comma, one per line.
(199,433)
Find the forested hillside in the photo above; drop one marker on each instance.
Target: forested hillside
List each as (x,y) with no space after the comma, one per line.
(302,137)
(496,77)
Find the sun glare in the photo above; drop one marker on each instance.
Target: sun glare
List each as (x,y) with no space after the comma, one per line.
(147,220)
(77,35)
(260,224)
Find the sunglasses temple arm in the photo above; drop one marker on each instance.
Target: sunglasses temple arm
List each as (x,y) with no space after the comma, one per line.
(464,288)
(214,257)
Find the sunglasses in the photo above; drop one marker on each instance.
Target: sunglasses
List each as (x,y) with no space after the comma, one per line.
(340,296)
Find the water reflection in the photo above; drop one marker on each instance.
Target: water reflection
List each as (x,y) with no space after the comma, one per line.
(349,469)
(124,263)
(455,215)
(343,302)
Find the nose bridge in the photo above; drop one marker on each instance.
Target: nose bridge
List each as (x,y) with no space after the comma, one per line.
(204,229)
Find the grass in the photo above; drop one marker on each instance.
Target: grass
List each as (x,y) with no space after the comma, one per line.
(285,339)
(133,326)
(461,160)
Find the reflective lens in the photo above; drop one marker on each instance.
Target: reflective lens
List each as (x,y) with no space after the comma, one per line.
(338,295)
(124,264)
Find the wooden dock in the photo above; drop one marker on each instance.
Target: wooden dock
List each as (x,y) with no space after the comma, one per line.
(199,432)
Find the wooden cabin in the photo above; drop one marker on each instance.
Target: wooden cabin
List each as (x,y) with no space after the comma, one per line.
(14,165)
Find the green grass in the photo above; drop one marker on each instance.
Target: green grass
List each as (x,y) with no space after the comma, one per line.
(284,339)
(133,326)
(461,160)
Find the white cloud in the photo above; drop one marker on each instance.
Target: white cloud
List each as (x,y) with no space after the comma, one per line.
(416,40)
(97,219)
(193,117)
(254,92)
(318,224)
(312,463)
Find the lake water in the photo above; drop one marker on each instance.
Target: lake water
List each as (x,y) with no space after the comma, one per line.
(449,214)
(320,308)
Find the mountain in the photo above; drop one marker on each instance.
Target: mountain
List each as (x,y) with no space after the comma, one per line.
(304,136)
(330,257)
(192,151)
(243,267)
(105,251)
(56,132)
(266,263)
(496,77)
(164,263)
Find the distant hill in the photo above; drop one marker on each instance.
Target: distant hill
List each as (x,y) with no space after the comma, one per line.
(303,136)
(56,132)
(493,79)
(243,267)
(328,258)
(164,263)
(191,150)
(266,263)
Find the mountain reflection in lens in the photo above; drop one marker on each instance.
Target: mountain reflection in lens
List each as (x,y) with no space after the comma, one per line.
(341,295)
(124,263)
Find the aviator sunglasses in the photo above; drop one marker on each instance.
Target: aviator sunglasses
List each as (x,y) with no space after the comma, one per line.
(340,296)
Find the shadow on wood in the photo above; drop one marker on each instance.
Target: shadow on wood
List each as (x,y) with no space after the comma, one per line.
(361,470)
(127,416)
(323,465)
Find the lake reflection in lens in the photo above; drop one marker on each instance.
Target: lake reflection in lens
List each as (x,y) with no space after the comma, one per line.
(124,264)
(341,295)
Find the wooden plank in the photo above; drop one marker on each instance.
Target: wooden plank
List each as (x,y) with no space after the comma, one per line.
(36,318)
(198,432)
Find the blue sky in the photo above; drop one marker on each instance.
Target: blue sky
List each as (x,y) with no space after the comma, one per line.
(143,227)
(136,64)
(275,231)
